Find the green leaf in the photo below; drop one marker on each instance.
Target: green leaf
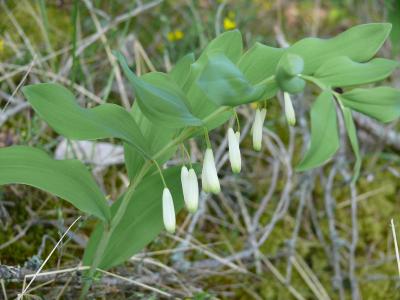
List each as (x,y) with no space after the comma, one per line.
(230,44)
(381,103)
(342,71)
(292,85)
(58,107)
(67,179)
(225,85)
(288,69)
(142,221)
(157,137)
(352,134)
(160,98)
(180,72)
(324,133)
(259,62)
(218,120)
(360,43)
(290,65)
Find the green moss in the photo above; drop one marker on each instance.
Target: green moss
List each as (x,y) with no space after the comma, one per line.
(28,199)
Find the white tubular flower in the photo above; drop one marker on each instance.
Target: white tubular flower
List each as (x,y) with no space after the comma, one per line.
(190,189)
(168,211)
(289,111)
(258,127)
(234,150)
(209,175)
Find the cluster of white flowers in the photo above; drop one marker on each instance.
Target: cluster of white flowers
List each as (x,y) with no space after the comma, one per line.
(209,175)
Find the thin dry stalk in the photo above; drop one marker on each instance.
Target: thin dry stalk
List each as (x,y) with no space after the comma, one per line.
(21,295)
(396,247)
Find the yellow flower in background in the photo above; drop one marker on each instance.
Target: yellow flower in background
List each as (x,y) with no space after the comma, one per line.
(178,35)
(229,24)
(175,35)
(1,45)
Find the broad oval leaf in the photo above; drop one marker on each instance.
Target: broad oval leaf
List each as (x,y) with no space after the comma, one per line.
(292,85)
(157,137)
(180,72)
(58,107)
(360,43)
(229,44)
(67,179)
(289,68)
(224,84)
(324,133)
(381,103)
(342,71)
(160,98)
(290,65)
(142,221)
(260,62)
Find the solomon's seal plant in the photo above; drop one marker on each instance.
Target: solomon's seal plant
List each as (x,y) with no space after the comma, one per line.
(196,96)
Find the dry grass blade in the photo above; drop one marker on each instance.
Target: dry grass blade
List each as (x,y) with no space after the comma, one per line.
(20,84)
(110,56)
(135,282)
(396,247)
(3,289)
(21,295)
(310,281)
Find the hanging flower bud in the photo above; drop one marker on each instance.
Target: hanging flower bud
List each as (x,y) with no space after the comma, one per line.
(289,111)
(234,150)
(258,127)
(168,211)
(190,189)
(209,175)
